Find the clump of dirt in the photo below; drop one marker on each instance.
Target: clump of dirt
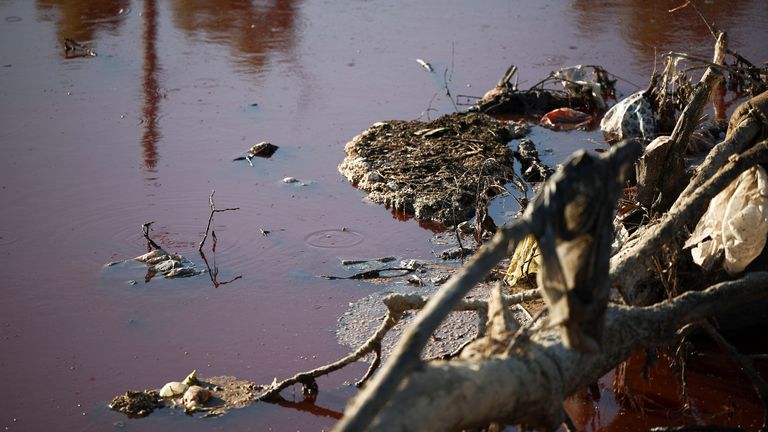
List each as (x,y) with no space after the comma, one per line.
(226,393)
(436,170)
(137,404)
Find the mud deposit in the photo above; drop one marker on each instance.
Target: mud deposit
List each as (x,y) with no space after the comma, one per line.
(436,170)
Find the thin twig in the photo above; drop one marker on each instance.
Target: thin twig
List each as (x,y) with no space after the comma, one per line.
(145,230)
(210,220)
(396,305)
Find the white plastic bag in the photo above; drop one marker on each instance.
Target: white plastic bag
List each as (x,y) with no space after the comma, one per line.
(735,223)
(632,117)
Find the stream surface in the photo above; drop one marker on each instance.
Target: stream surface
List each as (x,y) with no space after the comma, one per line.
(92,147)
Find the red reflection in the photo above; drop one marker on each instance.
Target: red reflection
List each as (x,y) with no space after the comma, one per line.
(716,393)
(253,30)
(152,93)
(81,19)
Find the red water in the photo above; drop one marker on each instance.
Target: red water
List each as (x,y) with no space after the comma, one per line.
(94,147)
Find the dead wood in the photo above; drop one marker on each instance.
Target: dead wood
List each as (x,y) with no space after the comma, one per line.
(396,304)
(633,267)
(406,359)
(529,385)
(669,176)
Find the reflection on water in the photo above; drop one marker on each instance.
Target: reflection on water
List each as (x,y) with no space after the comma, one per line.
(648,26)
(152,93)
(254,30)
(82,19)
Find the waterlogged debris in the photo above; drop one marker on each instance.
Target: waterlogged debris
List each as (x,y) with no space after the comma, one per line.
(525,261)
(632,117)
(349,262)
(194,398)
(136,404)
(577,81)
(263,149)
(158,260)
(425,65)
(531,167)
(735,225)
(431,170)
(176,388)
(456,253)
(74,49)
(173,389)
(169,265)
(565,119)
(213,396)
(580,91)
(389,272)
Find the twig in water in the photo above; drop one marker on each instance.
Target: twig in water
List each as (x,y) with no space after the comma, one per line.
(396,304)
(210,221)
(214,272)
(447,90)
(145,230)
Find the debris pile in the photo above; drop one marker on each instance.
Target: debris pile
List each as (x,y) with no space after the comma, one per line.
(431,169)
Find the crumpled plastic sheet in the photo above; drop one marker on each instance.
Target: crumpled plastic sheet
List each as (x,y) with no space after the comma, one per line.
(735,224)
(632,117)
(579,76)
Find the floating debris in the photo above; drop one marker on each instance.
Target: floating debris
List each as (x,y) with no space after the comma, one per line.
(431,169)
(75,49)
(565,119)
(137,404)
(263,149)
(425,65)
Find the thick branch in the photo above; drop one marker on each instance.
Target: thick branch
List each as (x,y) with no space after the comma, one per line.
(530,388)
(406,357)
(634,263)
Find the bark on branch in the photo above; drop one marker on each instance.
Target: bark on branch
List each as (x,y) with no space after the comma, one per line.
(529,385)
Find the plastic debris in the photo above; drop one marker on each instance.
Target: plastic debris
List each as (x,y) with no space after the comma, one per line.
(735,224)
(576,80)
(525,261)
(425,65)
(263,149)
(565,119)
(632,117)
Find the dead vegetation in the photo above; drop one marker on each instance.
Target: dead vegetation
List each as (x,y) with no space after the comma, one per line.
(436,170)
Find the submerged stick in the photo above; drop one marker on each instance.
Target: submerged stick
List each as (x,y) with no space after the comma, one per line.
(210,221)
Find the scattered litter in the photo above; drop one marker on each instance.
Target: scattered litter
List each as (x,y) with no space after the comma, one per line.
(735,225)
(349,262)
(565,119)
(263,149)
(425,65)
(74,49)
(531,168)
(525,261)
(632,117)
(456,253)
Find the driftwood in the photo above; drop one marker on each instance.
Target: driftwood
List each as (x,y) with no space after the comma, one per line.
(659,190)
(528,383)
(529,388)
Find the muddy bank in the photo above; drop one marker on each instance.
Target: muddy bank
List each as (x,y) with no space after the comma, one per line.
(436,170)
